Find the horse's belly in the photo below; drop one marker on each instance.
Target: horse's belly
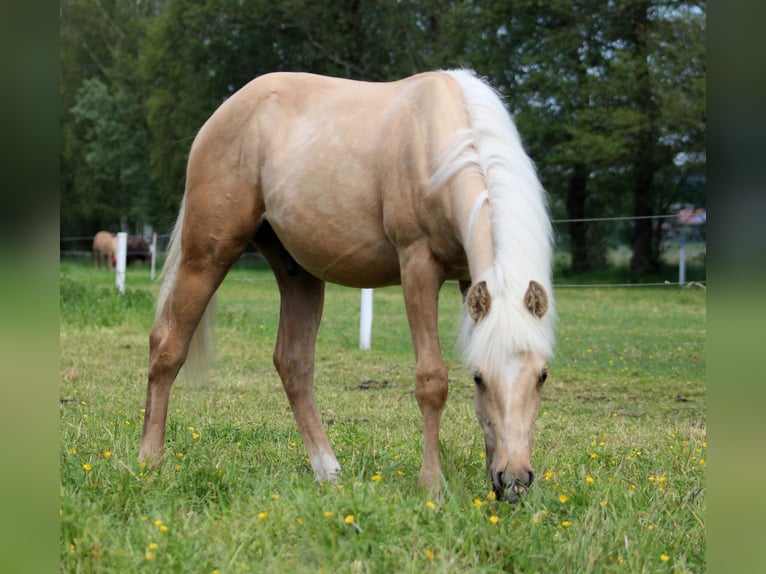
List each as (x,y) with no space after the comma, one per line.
(365,259)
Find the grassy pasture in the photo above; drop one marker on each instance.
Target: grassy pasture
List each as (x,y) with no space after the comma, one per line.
(619,454)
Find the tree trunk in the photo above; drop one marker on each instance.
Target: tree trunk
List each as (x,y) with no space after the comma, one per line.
(644,258)
(578,232)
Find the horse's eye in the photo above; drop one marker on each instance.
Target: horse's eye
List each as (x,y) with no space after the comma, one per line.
(543,376)
(477,379)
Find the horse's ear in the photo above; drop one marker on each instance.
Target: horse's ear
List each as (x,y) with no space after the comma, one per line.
(478,301)
(536,299)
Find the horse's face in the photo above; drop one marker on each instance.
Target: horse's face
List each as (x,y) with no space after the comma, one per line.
(507,401)
(506,406)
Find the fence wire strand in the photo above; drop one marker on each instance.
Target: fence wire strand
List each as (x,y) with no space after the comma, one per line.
(690,284)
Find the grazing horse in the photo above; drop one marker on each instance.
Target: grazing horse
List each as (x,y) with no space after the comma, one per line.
(371,184)
(104,246)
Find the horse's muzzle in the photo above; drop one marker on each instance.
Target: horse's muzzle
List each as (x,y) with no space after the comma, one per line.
(511,490)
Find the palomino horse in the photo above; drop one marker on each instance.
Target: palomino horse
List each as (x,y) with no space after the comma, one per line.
(371,184)
(104,249)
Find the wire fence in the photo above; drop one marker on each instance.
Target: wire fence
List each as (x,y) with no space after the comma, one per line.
(79,248)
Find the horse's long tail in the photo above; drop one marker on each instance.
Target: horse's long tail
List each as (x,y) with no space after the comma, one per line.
(196,365)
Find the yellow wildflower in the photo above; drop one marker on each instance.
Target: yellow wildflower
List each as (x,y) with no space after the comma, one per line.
(262,515)
(566,524)
(664,557)
(349,519)
(589,479)
(429,555)
(563,498)
(329,514)
(430,504)
(494,519)
(87,467)
(106,454)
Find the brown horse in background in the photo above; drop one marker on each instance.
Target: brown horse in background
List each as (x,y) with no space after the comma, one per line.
(137,249)
(104,246)
(366,185)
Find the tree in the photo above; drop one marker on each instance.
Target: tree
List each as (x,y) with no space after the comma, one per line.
(101,92)
(611,96)
(115,142)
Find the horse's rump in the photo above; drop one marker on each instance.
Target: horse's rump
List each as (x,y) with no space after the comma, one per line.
(105,242)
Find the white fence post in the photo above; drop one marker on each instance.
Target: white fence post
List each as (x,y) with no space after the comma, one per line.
(121,255)
(682,261)
(365,320)
(153,249)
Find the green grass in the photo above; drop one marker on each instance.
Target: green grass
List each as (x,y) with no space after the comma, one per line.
(620,439)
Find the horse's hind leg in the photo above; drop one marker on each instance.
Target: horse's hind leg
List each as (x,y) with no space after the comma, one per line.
(205,257)
(168,346)
(302,300)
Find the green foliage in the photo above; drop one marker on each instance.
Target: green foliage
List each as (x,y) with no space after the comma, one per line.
(115,148)
(620,445)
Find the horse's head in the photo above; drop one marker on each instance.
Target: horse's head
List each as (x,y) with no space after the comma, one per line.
(508,399)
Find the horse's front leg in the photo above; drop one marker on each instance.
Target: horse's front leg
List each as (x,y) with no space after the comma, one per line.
(422,277)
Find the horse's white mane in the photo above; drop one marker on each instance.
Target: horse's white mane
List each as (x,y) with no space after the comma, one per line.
(520,228)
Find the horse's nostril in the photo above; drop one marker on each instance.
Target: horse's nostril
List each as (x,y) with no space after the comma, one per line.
(530,477)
